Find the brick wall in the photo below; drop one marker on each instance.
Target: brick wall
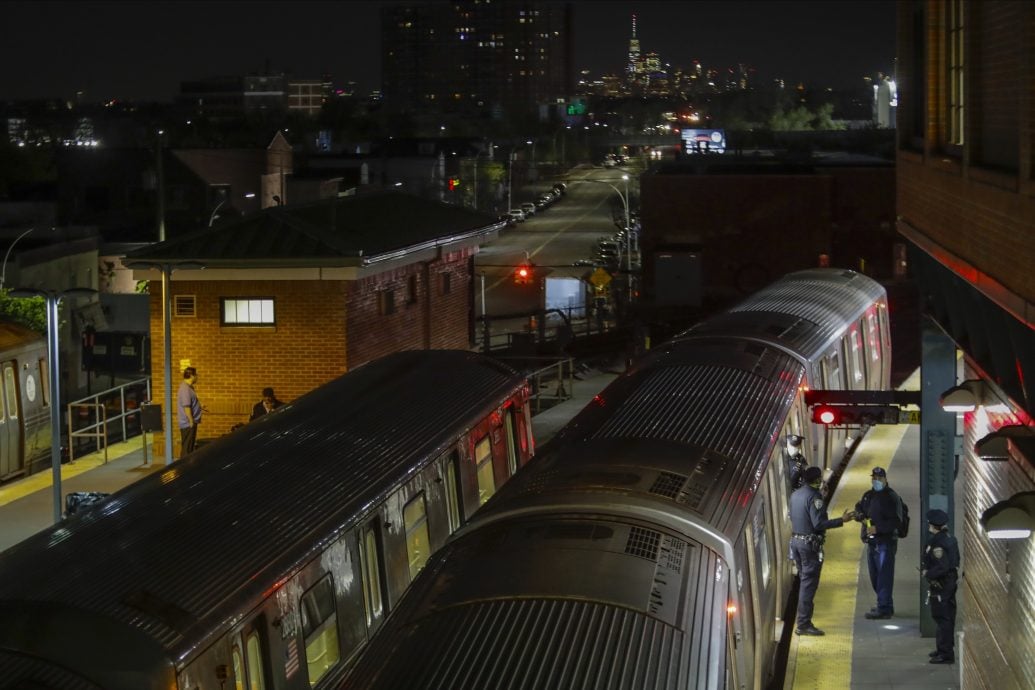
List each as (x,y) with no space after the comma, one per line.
(982,214)
(433,320)
(304,350)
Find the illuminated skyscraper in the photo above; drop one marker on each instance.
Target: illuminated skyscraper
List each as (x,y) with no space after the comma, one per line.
(634,52)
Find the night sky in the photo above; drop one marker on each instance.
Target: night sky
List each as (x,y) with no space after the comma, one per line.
(142,50)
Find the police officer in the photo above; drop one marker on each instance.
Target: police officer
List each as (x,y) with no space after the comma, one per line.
(941,561)
(880,511)
(809,523)
(796,462)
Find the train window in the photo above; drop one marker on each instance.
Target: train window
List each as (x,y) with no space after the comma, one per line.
(453,498)
(371,575)
(11,389)
(511,445)
(483,461)
(418,542)
(238,668)
(44,382)
(832,372)
(320,629)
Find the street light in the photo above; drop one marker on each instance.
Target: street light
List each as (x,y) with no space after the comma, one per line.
(3,272)
(166,270)
(625,204)
(53,297)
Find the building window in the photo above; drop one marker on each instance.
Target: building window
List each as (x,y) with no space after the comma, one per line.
(957,93)
(411,290)
(247,311)
(385,302)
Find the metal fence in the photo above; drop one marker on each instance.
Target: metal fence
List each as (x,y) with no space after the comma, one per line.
(107,416)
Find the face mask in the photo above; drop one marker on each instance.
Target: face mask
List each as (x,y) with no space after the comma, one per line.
(878,485)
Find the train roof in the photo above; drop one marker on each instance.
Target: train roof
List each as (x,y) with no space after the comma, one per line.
(176,553)
(804,311)
(693,423)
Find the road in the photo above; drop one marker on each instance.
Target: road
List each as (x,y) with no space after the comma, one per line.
(553,239)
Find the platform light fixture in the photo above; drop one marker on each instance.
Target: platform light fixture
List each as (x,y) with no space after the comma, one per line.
(1013,518)
(965,397)
(996,445)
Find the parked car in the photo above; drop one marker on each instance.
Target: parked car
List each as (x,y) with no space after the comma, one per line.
(560,187)
(516,215)
(529,208)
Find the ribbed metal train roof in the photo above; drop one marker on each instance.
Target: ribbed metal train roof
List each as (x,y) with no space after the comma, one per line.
(29,673)
(528,642)
(726,404)
(804,311)
(242,512)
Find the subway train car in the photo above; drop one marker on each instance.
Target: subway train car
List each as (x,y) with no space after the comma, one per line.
(267,558)
(24,401)
(646,545)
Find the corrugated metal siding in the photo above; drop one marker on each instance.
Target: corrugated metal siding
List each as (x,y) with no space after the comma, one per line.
(231,519)
(997,593)
(22,672)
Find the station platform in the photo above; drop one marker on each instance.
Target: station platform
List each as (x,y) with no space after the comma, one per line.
(856,653)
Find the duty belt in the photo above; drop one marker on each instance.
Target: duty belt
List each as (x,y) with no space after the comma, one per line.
(803,536)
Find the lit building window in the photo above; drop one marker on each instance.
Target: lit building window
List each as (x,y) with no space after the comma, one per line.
(244,311)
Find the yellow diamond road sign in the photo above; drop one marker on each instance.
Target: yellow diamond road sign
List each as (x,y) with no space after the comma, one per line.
(600,278)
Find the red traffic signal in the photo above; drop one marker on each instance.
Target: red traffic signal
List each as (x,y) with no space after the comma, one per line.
(523,274)
(825,414)
(454,183)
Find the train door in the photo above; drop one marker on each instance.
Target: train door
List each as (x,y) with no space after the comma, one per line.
(11,452)
(876,366)
(484,470)
(372,568)
(249,657)
(854,359)
(454,495)
(512,446)
(761,576)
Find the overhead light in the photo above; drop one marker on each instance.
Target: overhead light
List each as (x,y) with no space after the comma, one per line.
(996,445)
(1011,519)
(965,397)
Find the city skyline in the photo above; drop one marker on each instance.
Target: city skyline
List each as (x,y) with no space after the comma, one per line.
(143,51)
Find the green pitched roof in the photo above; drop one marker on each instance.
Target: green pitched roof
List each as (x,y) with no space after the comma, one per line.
(344,231)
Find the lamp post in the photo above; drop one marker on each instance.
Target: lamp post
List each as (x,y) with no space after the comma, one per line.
(3,272)
(53,298)
(166,270)
(625,205)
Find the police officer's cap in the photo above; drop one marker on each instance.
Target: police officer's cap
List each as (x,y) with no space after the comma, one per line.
(794,440)
(938,518)
(878,472)
(812,474)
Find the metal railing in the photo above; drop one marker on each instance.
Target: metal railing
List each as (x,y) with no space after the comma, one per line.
(552,384)
(112,414)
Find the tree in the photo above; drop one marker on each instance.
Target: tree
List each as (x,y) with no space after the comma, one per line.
(30,312)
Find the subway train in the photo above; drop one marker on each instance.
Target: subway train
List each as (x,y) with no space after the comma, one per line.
(24,401)
(646,545)
(267,558)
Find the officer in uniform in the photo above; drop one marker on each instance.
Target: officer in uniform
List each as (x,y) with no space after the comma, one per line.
(941,561)
(809,522)
(796,462)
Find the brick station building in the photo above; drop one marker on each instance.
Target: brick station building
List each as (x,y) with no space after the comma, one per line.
(292,297)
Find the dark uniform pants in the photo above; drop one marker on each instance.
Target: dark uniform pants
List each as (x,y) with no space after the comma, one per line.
(943,611)
(806,558)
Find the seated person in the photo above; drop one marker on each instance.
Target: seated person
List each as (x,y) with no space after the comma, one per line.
(268,403)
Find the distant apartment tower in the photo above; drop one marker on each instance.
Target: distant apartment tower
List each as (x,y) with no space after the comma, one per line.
(476,58)
(634,52)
